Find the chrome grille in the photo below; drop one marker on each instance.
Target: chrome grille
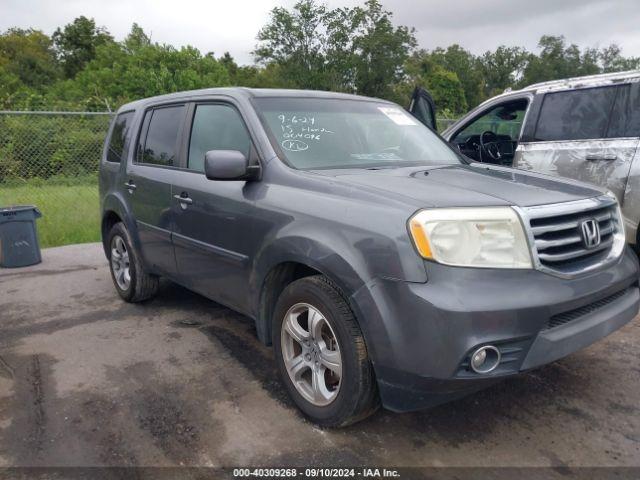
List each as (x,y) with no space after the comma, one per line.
(557,240)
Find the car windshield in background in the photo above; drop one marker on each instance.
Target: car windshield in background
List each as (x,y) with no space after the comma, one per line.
(320,133)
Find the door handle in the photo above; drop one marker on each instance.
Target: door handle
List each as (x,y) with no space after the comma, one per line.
(596,158)
(183,200)
(130,186)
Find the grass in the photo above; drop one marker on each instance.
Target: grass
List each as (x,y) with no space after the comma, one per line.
(70,212)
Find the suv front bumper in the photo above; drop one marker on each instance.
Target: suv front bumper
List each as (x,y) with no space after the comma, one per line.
(420,336)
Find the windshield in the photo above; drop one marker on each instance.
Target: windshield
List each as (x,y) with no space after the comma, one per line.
(319,133)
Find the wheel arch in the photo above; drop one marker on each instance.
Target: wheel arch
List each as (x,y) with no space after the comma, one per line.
(286,262)
(109,219)
(114,210)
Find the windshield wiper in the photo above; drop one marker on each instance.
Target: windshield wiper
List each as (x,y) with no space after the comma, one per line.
(387,167)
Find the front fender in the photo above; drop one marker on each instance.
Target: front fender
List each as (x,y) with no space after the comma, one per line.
(337,262)
(329,253)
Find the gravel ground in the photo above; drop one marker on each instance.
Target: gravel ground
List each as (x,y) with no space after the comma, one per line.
(88,380)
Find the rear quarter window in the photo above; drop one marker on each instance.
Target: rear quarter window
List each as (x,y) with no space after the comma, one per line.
(118,140)
(575,114)
(625,121)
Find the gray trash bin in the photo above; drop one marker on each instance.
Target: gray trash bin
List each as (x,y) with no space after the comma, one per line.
(18,238)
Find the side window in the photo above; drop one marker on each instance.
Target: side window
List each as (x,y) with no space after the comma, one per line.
(575,114)
(216,127)
(625,120)
(119,133)
(160,146)
(505,119)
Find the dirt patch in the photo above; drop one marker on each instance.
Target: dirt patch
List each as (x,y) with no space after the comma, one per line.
(163,416)
(27,434)
(10,335)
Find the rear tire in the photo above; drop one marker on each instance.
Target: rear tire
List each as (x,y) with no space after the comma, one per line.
(129,277)
(328,374)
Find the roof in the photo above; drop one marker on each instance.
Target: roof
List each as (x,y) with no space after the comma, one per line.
(586,81)
(566,84)
(247,93)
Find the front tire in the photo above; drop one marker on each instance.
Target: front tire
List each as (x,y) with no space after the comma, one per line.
(321,354)
(129,277)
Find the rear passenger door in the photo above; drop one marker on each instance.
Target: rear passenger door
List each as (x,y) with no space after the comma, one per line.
(583,134)
(213,226)
(148,184)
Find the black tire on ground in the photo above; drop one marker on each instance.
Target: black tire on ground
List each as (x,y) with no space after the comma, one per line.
(143,285)
(357,396)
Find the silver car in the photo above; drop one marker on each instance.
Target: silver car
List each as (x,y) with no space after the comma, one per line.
(584,128)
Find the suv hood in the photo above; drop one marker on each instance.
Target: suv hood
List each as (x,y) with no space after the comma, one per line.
(466,185)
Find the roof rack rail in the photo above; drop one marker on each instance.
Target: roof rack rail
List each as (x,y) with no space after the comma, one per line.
(586,78)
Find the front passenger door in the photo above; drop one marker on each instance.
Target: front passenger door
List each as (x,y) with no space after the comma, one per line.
(492,134)
(212,236)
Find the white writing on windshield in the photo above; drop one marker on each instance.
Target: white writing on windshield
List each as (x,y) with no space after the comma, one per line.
(296,129)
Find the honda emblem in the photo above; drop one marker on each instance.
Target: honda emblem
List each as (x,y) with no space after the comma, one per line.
(590,233)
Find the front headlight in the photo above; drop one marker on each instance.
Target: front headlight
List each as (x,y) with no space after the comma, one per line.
(490,237)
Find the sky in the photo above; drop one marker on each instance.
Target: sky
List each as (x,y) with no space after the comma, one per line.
(220,26)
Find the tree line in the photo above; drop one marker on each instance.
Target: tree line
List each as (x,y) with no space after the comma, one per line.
(350,49)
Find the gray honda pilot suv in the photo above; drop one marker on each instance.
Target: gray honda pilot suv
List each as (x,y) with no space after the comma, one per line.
(382,266)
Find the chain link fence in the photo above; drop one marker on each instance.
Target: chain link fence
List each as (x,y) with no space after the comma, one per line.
(444,123)
(50,160)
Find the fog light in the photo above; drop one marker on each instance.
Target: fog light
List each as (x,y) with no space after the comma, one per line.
(485,359)
(478,358)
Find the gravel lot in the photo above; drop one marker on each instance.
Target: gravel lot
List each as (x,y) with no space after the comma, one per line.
(86,379)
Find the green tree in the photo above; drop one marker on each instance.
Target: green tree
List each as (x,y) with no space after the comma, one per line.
(136,39)
(447,90)
(559,60)
(502,68)
(27,68)
(76,44)
(252,75)
(353,49)
(137,68)
(345,49)
(296,41)
(228,62)
(422,70)
(29,56)
(466,67)
(611,60)
(366,49)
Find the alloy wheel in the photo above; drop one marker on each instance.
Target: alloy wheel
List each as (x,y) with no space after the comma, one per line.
(311,354)
(120,262)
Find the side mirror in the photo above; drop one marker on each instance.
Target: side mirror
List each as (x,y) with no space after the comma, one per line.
(229,165)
